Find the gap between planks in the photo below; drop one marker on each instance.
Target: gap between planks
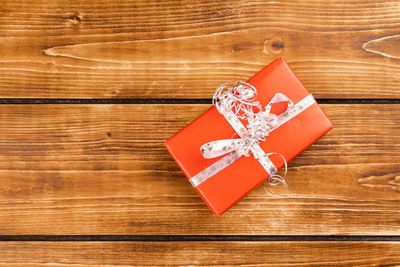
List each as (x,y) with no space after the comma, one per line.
(200,238)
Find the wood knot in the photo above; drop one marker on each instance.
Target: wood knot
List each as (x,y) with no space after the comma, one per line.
(75,20)
(273,46)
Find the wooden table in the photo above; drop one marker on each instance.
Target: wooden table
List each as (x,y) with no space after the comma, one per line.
(90,90)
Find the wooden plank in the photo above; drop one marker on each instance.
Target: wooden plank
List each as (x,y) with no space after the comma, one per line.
(185,49)
(103,169)
(200,253)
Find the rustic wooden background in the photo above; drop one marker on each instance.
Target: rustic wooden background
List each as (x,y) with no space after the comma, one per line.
(90,90)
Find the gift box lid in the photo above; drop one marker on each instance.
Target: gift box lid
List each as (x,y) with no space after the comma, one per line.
(228,186)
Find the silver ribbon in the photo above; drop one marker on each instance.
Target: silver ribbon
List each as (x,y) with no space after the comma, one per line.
(236,101)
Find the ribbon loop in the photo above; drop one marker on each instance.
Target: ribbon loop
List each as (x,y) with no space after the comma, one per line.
(238,97)
(218,148)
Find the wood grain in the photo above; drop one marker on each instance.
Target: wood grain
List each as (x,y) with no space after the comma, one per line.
(185,49)
(103,169)
(200,253)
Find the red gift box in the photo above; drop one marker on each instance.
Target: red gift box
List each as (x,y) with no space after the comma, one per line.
(229,185)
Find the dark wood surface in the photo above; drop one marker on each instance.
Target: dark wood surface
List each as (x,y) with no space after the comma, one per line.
(102,84)
(199,253)
(103,169)
(185,49)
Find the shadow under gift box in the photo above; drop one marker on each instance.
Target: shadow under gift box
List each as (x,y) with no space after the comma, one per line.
(228,186)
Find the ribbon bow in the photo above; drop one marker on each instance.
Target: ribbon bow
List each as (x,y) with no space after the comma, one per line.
(237,101)
(240,97)
(259,126)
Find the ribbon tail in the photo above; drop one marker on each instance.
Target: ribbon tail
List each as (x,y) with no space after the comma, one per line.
(277,183)
(218,148)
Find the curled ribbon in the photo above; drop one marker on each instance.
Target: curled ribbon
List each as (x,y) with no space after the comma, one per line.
(236,101)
